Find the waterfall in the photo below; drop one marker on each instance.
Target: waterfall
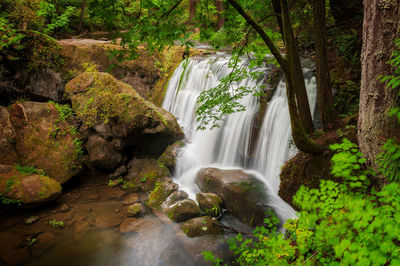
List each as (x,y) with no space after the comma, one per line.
(227,147)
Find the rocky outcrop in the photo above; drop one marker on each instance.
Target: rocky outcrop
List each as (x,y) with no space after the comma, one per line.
(116,111)
(27,189)
(168,158)
(103,154)
(209,203)
(46,140)
(200,226)
(183,210)
(144,173)
(243,194)
(7,139)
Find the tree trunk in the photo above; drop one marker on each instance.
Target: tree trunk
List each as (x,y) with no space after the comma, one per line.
(220,18)
(192,10)
(326,109)
(380,28)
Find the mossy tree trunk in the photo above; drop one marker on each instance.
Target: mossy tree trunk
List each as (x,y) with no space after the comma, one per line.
(293,74)
(326,108)
(380,29)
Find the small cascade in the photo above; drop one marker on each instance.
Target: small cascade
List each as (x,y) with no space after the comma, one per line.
(227,147)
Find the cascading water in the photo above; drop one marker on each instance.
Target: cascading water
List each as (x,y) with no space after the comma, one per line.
(227,147)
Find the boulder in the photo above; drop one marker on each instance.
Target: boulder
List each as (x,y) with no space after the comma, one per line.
(174,198)
(161,192)
(201,226)
(46,139)
(120,171)
(115,110)
(135,210)
(243,195)
(168,158)
(28,189)
(209,203)
(144,173)
(183,210)
(102,154)
(46,85)
(7,139)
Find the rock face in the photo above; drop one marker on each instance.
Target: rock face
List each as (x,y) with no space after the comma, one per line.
(7,139)
(201,226)
(46,85)
(116,111)
(46,140)
(243,194)
(183,210)
(209,203)
(102,154)
(28,189)
(145,173)
(168,158)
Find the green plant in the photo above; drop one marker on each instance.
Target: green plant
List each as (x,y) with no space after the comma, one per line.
(31,241)
(53,222)
(7,201)
(28,170)
(115,182)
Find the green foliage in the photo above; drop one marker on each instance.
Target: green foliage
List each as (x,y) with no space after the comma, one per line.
(28,170)
(53,222)
(31,241)
(48,11)
(347,44)
(115,182)
(347,99)
(348,163)
(7,201)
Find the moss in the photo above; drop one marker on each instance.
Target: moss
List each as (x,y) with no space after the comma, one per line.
(157,196)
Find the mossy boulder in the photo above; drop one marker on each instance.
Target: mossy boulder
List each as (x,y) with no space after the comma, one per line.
(135,210)
(161,192)
(28,189)
(243,195)
(144,173)
(209,203)
(168,158)
(183,210)
(7,139)
(201,226)
(174,198)
(115,110)
(46,139)
(102,154)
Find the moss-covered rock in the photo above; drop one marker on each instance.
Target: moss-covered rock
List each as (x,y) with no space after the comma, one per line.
(243,195)
(28,189)
(168,158)
(183,210)
(46,139)
(209,203)
(115,110)
(7,139)
(161,192)
(174,198)
(201,226)
(144,173)
(135,210)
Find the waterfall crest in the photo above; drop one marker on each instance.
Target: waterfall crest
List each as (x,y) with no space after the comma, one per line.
(227,147)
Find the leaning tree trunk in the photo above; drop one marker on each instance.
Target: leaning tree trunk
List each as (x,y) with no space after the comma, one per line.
(326,109)
(380,29)
(192,10)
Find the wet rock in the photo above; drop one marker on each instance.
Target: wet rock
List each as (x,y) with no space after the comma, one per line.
(130,199)
(102,154)
(10,240)
(144,173)
(174,198)
(160,193)
(107,221)
(243,194)
(129,225)
(183,210)
(112,193)
(122,170)
(130,118)
(28,189)
(200,226)
(44,242)
(64,208)
(46,85)
(135,210)
(32,220)
(81,227)
(168,158)
(209,203)
(12,257)
(7,139)
(46,141)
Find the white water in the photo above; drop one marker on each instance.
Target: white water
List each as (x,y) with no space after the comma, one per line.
(227,147)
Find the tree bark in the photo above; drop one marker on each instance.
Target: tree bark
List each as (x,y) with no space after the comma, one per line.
(192,10)
(380,28)
(220,18)
(326,108)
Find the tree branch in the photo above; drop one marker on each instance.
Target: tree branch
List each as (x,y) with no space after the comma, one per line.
(172,9)
(274,50)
